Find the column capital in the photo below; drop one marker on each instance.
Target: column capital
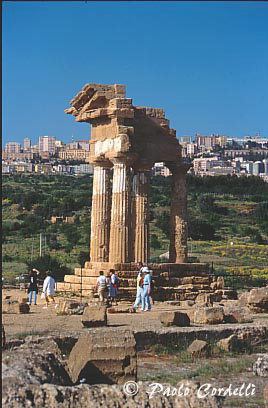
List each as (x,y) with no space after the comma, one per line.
(127,160)
(102,162)
(178,167)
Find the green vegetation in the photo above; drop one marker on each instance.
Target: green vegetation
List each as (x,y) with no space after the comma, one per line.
(228,222)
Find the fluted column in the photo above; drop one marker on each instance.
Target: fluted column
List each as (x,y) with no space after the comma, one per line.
(100,213)
(178,214)
(140,216)
(120,213)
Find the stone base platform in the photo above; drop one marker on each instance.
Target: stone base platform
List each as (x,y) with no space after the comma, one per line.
(171,281)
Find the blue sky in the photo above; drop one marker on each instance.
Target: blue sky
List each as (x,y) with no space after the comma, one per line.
(204,63)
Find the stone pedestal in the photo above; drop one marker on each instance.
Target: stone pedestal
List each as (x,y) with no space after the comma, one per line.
(120,213)
(178,214)
(140,217)
(100,213)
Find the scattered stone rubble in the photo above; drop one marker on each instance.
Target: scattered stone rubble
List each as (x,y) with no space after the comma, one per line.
(260,367)
(174,319)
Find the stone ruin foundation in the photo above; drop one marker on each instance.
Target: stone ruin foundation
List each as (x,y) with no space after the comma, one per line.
(127,140)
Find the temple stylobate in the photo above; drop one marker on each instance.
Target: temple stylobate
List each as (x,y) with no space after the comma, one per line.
(127,140)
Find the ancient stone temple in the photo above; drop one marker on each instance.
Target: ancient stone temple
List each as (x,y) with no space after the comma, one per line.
(126,141)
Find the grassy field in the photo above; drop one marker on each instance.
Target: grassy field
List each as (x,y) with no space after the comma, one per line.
(239,245)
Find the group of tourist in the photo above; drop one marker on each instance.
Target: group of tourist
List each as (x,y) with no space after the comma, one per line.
(106,287)
(48,288)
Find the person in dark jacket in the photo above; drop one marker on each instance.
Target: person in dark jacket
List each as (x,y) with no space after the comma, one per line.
(33,286)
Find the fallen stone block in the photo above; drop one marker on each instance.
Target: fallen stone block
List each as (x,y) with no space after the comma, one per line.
(229,344)
(68,306)
(199,348)
(104,357)
(260,367)
(187,303)
(121,310)
(237,315)
(174,319)
(94,316)
(206,315)
(258,300)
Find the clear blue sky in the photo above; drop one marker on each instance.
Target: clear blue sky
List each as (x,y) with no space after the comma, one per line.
(204,63)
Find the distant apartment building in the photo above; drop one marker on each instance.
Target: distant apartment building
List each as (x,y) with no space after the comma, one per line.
(160,169)
(26,144)
(185,140)
(74,154)
(46,144)
(206,141)
(13,147)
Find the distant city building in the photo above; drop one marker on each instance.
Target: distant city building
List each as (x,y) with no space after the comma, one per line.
(185,139)
(13,147)
(47,144)
(26,144)
(160,169)
(74,154)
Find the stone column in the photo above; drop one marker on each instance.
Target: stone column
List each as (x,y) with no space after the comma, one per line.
(178,214)
(140,216)
(120,213)
(100,213)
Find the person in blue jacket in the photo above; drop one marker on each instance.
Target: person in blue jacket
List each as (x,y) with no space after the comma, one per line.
(147,281)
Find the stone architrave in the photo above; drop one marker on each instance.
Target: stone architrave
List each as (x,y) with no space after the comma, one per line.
(120,213)
(140,216)
(178,213)
(100,214)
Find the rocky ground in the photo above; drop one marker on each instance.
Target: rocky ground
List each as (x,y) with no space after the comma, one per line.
(158,363)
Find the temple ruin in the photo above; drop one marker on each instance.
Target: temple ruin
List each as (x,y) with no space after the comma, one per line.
(128,140)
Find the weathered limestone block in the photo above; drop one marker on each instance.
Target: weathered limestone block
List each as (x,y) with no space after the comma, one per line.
(260,367)
(206,315)
(174,319)
(94,316)
(231,343)
(227,294)
(258,300)
(121,310)
(69,306)
(220,282)
(234,314)
(13,306)
(199,348)
(104,357)
(187,303)
(204,298)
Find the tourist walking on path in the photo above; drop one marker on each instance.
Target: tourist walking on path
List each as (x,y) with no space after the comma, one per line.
(33,286)
(139,285)
(146,305)
(49,289)
(101,287)
(114,281)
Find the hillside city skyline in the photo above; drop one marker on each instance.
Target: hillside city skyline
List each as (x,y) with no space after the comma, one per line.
(203,63)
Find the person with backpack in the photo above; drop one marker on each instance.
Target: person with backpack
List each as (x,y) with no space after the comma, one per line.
(114,284)
(139,286)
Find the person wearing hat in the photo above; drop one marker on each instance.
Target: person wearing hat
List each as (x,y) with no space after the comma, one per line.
(146,305)
(139,286)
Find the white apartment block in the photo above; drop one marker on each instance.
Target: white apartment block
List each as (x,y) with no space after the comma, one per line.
(160,169)
(47,144)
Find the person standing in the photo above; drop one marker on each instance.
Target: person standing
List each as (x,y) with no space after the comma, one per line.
(139,285)
(49,289)
(113,286)
(101,287)
(33,286)
(146,305)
